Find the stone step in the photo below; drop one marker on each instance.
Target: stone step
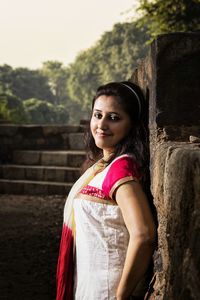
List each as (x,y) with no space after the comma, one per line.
(39,173)
(21,187)
(49,158)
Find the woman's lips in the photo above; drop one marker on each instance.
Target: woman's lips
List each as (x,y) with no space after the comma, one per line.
(102,134)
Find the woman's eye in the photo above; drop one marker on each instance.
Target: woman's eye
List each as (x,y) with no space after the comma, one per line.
(97,115)
(114,117)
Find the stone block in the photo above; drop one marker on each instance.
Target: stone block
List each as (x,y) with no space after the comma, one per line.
(31,131)
(7,141)
(34,173)
(55,174)
(170,79)
(8,130)
(35,188)
(182,202)
(49,130)
(13,172)
(76,141)
(178,79)
(54,142)
(75,159)
(72,174)
(54,158)
(11,187)
(59,189)
(176,190)
(26,157)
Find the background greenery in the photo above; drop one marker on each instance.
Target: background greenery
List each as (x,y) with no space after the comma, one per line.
(63,94)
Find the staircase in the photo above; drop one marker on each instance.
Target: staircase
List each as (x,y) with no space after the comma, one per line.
(44,171)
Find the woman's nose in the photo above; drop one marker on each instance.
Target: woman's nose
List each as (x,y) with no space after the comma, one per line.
(102,124)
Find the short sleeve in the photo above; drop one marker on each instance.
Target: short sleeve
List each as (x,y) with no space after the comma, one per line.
(122,170)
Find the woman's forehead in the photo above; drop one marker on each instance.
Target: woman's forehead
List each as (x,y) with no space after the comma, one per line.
(107,103)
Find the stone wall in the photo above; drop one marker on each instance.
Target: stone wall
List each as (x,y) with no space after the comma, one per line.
(33,137)
(170,78)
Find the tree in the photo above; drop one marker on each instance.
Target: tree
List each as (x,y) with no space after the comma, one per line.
(30,84)
(120,51)
(83,77)
(11,109)
(5,79)
(57,78)
(112,58)
(24,83)
(42,112)
(170,16)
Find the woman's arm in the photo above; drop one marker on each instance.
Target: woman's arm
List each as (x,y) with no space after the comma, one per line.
(139,221)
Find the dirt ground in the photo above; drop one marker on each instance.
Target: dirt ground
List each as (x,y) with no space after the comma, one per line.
(30,229)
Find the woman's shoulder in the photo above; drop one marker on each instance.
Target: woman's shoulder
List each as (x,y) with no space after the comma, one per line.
(124,159)
(124,162)
(122,169)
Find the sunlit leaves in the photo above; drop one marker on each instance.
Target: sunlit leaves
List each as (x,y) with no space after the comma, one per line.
(170,16)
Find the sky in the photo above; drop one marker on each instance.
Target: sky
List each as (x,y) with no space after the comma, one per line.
(35,31)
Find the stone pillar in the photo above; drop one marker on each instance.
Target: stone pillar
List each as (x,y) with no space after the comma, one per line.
(170,79)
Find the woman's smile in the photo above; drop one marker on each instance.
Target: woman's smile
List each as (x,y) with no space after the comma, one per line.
(103,134)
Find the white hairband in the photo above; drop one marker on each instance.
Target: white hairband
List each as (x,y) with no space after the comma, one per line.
(137,97)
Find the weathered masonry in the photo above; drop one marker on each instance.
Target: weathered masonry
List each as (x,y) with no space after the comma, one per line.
(170,77)
(40,159)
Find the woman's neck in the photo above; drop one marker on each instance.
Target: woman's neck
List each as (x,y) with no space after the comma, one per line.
(107,154)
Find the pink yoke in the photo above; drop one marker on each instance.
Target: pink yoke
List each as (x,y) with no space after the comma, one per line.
(104,184)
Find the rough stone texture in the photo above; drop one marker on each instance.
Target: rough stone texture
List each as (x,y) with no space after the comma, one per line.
(170,78)
(35,137)
(40,159)
(49,158)
(182,202)
(76,141)
(39,173)
(176,188)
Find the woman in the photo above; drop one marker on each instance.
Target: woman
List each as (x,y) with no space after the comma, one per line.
(108,232)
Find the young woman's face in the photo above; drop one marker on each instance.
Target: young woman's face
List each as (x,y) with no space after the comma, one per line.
(109,123)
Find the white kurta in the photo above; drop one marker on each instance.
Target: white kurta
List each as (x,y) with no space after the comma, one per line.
(101,245)
(101,235)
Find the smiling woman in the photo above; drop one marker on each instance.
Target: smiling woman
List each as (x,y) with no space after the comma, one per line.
(107,217)
(109,123)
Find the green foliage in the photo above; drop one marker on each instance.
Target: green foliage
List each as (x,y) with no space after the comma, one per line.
(120,51)
(24,83)
(76,112)
(11,109)
(57,79)
(113,58)
(5,82)
(83,77)
(18,85)
(170,16)
(42,112)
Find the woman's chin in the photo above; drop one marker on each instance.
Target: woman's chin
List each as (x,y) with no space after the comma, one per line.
(105,147)
(100,144)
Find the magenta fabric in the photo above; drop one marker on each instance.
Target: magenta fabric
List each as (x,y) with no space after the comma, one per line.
(122,168)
